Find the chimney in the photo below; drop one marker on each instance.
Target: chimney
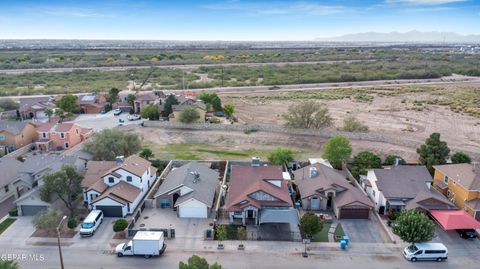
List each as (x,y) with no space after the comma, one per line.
(255,161)
(119,160)
(313,172)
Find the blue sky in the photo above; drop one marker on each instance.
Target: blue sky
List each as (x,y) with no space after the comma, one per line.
(231,19)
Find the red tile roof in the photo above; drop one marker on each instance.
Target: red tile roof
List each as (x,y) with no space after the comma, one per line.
(44,128)
(64,127)
(121,192)
(246,180)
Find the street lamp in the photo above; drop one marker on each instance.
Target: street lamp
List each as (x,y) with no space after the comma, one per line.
(58,240)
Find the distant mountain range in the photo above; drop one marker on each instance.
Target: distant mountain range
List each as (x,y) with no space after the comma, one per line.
(412,36)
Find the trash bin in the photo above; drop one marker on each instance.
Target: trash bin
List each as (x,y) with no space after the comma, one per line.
(347,239)
(343,244)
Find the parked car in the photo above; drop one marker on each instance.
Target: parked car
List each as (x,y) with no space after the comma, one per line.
(91,223)
(219,113)
(426,251)
(117,112)
(146,243)
(134,117)
(467,233)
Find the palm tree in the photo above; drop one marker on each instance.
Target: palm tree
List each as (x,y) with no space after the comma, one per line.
(8,265)
(146,153)
(60,113)
(48,112)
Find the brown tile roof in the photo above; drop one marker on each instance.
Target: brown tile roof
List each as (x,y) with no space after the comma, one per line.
(246,180)
(121,192)
(133,164)
(464,174)
(95,171)
(63,127)
(98,186)
(44,128)
(84,131)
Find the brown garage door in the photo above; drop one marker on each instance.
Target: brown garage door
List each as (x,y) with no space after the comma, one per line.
(354,213)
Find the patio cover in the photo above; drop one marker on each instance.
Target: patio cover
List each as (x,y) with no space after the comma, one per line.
(454,219)
(279,216)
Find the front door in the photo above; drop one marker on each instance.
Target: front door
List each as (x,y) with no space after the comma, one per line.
(250,214)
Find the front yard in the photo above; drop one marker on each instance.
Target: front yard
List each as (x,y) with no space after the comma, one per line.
(339,233)
(322,236)
(5,224)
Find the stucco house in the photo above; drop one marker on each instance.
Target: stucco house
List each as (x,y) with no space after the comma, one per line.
(9,168)
(34,107)
(199,106)
(460,183)
(323,188)
(394,187)
(31,172)
(143,99)
(259,194)
(119,190)
(15,135)
(92,103)
(190,189)
(60,136)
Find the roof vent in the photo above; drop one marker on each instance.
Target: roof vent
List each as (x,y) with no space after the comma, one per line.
(255,161)
(313,172)
(196,176)
(119,160)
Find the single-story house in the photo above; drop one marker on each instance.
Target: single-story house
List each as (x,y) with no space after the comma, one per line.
(15,135)
(199,106)
(34,107)
(323,188)
(92,103)
(120,190)
(190,189)
(259,194)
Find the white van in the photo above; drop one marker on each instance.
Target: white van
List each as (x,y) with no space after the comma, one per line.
(91,223)
(426,251)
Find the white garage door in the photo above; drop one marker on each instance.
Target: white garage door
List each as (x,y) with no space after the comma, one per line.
(193,212)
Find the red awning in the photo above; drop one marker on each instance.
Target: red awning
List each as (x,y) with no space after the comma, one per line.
(454,219)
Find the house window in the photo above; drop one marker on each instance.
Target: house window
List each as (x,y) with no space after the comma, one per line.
(62,135)
(111,180)
(76,131)
(128,206)
(66,145)
(445,180)
(7,189)
(2,137)
(129,179)
(44,135)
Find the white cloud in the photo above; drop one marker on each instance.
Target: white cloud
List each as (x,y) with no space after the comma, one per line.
(266,8)
(423,2)
(76,12)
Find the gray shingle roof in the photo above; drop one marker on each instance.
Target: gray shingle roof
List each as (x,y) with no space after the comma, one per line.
(9,168)
(402,181)
(203,188)
(464,174)
(34,164)
(14,128)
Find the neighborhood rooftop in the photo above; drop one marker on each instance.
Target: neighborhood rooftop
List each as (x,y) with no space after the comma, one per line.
(465,174)
(402,181)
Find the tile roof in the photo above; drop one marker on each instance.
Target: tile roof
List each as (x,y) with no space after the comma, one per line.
(133,164)
(45,127)
(465,174)
(63,127)
(95,170)
(402,181)
(9,168)
(146,97)
(98,186)
(203,188)
(121,192)
(246,180)
(13,127)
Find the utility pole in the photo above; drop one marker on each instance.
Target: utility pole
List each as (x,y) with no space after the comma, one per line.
(58,240)
(222,75)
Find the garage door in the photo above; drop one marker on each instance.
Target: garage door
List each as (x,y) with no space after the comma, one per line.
(110,211)
(192,212)
(32,210)
(354,213)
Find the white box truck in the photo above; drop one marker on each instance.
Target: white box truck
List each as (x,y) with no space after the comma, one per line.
(146,243)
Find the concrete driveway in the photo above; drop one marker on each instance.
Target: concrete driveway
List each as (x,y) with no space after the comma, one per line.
(456,245)
(166,218)
(19,231)
(364,231)
(103,121)
(277,232)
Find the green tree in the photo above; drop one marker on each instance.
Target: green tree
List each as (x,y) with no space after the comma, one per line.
(310,224)
(120,225)
(307,115)
(461,157)
(131,100)
(212,99)
(363,161)
(280,156)
(47,220)
(229,109)
(392,159)
(151,112)
(8,104)
(146,153)
(433,152)
(337,150)
(169,102)
(189,115)
(352,124)
(413,226)
(194,262)
(113,96)
(65,183)
(221,232)
(9,265)
(68,103)
(49,112)
(110,143)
